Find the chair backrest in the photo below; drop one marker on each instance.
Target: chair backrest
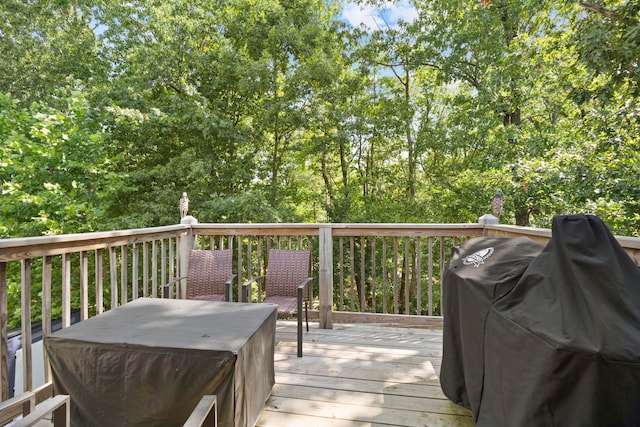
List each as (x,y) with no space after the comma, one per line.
(208,272)
(286,269)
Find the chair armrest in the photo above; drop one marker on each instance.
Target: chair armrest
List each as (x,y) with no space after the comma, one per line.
(205,414)
(19,405)
(166,288)
(173,282)
(230,279)
(303,285)
(59,406)
(246,289)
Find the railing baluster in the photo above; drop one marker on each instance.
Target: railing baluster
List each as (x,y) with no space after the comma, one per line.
(373,274)
(430,276)
(124,274)
(113,275)
(341,272)
(407,277)
(66,290)
(325,275)
(84,285)
(27,369)
(396,291)
(163,263)
(442,268)
(352,270)
(239,272)
(154,269)
(385,289)
(4,354)
(260,263)
(363,279)
(99,282)
(172,260)
(134,270)
(46,309)
(418,276)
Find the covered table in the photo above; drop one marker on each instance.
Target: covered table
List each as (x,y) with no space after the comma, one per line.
(148,362)
(544,336)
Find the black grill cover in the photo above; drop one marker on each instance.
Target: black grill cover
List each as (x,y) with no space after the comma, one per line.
(544,336)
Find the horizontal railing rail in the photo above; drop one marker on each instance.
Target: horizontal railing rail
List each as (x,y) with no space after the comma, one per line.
(387,273)
(631,245)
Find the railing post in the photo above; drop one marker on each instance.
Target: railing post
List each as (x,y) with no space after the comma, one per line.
(186,244)
(325,275)
(487,219)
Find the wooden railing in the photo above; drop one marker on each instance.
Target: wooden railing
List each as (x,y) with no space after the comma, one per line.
(387,273)
(119,265)
(362,272)
(631,245)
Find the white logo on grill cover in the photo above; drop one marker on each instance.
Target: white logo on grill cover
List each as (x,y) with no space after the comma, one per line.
(478,257)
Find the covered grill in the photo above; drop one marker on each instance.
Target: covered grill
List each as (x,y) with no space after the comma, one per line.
(544,336)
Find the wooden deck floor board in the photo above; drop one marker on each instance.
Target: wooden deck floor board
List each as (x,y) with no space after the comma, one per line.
(423,373)
(430,391)
(360,375)
(380,351)
(379,399)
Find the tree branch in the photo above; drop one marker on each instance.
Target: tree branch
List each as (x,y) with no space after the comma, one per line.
(606,12)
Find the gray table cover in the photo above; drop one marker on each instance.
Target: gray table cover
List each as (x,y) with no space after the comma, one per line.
(148,362)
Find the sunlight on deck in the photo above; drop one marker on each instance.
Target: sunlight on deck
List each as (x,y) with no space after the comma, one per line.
(360,375)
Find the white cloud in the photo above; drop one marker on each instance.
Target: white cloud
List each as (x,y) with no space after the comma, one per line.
(356,15)
(378,17)
(404,11)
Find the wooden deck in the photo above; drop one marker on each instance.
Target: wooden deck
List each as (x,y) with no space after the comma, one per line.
(360,375)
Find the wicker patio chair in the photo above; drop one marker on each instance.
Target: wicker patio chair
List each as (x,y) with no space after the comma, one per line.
(285,283)
(209,277)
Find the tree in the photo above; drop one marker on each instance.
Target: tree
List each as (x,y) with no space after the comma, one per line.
(608,39)
(56,175)
(48,48)
(227,94)
(274,111)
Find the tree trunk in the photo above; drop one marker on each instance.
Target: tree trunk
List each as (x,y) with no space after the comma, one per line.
(522,217)
(411,185)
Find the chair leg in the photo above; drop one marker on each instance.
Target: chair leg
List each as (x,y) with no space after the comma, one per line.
(306,313)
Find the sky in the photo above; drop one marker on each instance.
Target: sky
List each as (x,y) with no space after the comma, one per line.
(374,18)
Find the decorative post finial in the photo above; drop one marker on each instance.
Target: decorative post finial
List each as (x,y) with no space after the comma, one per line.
(496,205)
(184,205)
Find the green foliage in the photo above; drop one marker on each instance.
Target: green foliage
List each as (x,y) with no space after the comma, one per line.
(277,111)
(55,174)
